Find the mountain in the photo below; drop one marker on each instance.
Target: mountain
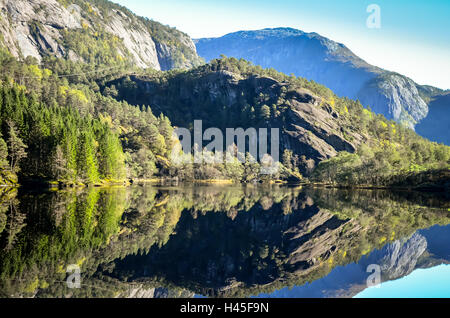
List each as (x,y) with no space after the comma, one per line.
(321,130)
(436,125)
(97,32)
(327,62)
(66,118)
(222,97)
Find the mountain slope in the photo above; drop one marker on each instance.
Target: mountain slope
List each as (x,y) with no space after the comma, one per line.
(314,123)
(223,96)
(436,125)
(332,64)
(97,32)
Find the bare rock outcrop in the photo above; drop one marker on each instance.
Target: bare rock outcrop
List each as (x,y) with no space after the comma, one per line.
(37,28)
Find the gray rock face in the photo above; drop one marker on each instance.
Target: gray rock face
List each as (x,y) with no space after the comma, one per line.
(137,40)
(309,128)
(16,17)
(401,256)
(398,94)
(140,291)
(314,240)
(34,28)
(313,132)
(332,64)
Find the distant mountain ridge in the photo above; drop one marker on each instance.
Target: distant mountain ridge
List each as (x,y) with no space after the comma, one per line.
(330,63)
(436,125)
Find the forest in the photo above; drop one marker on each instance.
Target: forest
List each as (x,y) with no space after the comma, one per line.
(61,124)
(390,153)
(59,130)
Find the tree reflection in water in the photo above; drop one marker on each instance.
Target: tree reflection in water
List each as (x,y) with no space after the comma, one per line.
(148,241)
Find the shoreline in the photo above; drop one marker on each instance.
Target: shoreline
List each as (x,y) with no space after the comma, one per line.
(55,185)
(416,188)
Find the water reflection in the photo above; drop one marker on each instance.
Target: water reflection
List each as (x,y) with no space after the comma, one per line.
(219,241)
(425,249)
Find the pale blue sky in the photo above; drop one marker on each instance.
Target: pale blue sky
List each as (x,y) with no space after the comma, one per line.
(414,38)
(422,283)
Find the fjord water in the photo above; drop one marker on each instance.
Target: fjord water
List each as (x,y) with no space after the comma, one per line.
(220,241)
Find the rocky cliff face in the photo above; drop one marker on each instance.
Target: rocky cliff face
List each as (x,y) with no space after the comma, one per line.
(396,94)
(401,256)
(40,28)
(332,64)
(435,126)
(140,291)
(309,126)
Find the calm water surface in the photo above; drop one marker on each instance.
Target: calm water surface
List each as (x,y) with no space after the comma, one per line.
(224,241)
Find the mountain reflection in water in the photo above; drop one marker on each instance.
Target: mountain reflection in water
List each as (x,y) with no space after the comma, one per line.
(216,241)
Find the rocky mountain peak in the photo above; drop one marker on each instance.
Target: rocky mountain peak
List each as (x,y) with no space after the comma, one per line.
(327,62)
(40,28)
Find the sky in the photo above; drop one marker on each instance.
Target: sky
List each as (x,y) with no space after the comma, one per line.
(413,38)
(422,283)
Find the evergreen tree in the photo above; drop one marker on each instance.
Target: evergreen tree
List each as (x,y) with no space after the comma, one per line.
(59,163)
(17,148)
(86,159)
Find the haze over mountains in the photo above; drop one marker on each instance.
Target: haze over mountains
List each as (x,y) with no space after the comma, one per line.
(332,64)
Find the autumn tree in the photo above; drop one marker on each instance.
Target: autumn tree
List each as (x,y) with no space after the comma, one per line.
(3,154)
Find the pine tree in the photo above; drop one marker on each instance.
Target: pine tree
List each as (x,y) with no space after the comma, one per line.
(251,168)
(86,158)
(111,157)
(16,147)
(59,163)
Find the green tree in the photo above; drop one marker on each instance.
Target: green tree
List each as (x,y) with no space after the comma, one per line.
(17,148)
(287,158)
(251,168)
(59,163)
(265,112)
(3,154)
(86,160)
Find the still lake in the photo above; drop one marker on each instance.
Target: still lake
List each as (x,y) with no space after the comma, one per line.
(223,241)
